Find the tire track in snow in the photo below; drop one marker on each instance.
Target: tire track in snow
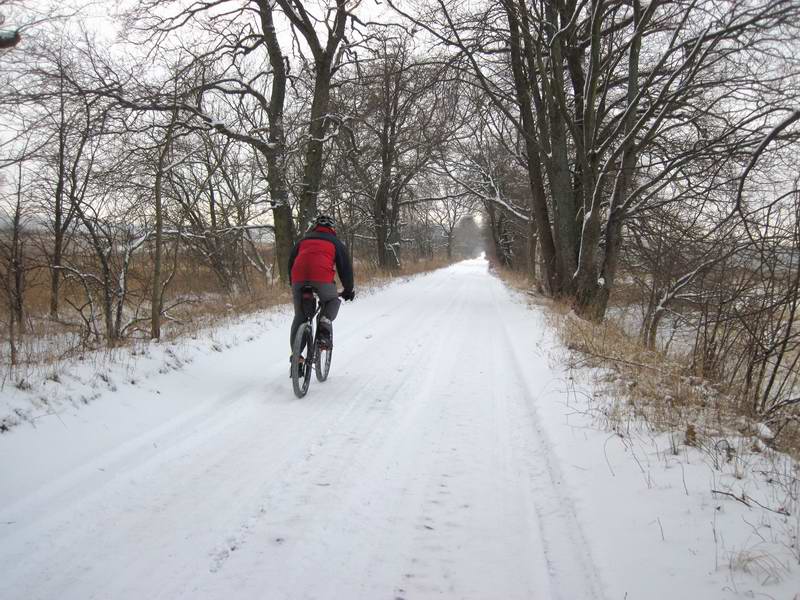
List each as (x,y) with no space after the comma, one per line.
(565,545)
(333,451)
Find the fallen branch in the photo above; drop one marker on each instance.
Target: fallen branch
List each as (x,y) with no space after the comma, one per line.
(619,360)
(745,499)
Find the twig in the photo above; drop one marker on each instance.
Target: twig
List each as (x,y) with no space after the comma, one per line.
(683,477)
(606,455)
(620,360)
(779,511)
(743,499)
(746,501)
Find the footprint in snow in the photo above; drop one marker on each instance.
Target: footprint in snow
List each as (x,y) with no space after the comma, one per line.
(223,554)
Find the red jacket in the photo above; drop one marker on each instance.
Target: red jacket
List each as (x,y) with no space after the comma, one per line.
(313,259)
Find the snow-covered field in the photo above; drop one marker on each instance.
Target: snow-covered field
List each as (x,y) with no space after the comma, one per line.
(449,455)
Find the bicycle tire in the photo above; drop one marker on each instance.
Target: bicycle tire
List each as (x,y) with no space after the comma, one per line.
(302,347)
(322,361)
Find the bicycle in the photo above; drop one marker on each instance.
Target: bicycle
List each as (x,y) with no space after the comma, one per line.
(308,347)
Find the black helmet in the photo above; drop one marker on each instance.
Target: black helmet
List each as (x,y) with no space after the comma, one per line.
(325,221)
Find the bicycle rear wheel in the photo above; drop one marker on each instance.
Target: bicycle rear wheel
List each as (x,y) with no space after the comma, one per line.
(302,352)
(322,361)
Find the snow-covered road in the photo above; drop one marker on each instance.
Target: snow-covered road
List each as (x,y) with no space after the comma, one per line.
(421,469)
(417,470)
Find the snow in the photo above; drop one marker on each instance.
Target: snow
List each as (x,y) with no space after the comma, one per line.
(449,455)
(764,432)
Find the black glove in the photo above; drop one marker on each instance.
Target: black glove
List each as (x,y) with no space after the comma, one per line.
(349,294)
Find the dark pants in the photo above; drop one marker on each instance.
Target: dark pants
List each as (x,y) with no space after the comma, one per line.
(328,297)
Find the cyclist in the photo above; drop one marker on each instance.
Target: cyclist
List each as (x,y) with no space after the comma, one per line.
(312,263)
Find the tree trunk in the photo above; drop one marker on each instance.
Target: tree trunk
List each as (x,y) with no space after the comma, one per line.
(324,55)
(275,155)
(381,240)
(594,288)
(13,282)
(17,291)
(533,241)
(284,238)
(395,235)
(312,176)
(652,329)
(156,300)
(550,260)
(58,217)
(591,300)
(58,250)
(381,216)
(12,337)
(55,274)
(108,308)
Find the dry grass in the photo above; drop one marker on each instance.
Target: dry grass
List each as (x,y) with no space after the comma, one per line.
(647,386)
(659,389)
(516,279)
(195,295)
(762,565)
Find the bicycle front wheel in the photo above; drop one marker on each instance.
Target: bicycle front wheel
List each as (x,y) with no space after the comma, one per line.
(322,361)
(302,354)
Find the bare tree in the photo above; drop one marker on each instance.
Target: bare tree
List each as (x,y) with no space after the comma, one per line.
(597,90)
(326,59)
(157,297)
(447,214)
(221,72)
(13,263)
(397,112)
